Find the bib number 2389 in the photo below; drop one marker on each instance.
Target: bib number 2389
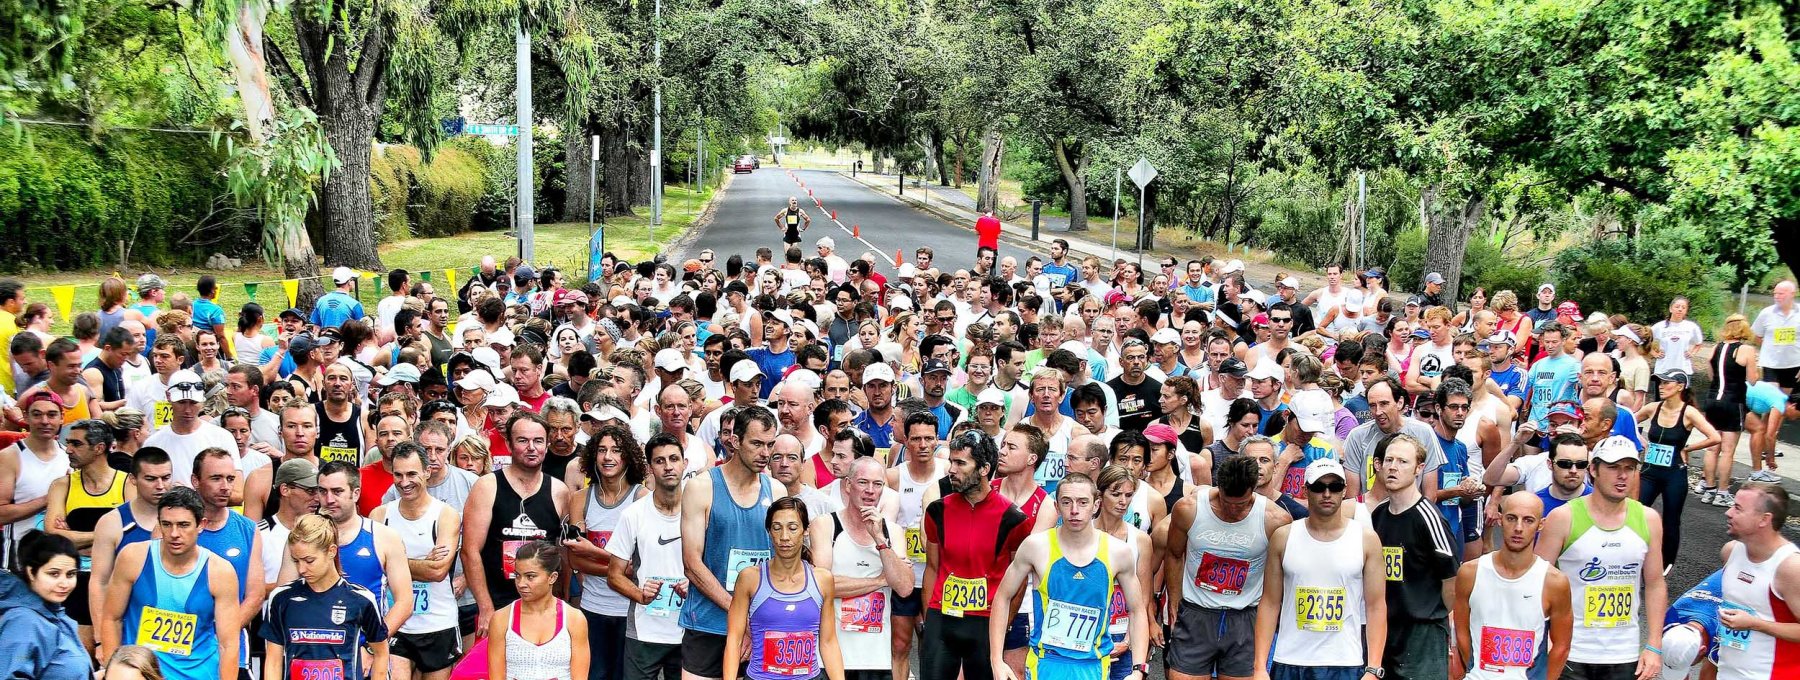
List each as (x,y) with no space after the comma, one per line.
(1608,606)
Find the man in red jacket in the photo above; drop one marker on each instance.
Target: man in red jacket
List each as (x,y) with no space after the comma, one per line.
(987,231)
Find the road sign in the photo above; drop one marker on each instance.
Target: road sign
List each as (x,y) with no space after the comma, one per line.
(485,129)
(1143,173)
(777,141)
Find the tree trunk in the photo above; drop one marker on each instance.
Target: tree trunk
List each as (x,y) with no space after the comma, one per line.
(987,179)
(576,155)
(299,262)
(1071,160)
(1447,235)
(615,170)
(348,93)
(937,147)
(962,156)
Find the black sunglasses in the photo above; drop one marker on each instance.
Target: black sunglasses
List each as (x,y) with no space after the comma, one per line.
(1427,415)
(1572,464)
(188,386)
(1322,487)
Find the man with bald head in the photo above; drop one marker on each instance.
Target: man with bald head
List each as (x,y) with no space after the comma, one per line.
(1087,454)
(674,408)
(785,464)
(1605,419)
(1509,601)
(793,402)
(1776,325)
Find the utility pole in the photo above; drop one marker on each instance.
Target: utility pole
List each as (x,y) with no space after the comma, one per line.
(522,220)
(656,206)
(1118,182)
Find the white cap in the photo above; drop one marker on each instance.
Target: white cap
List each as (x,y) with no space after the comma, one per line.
(502,395)
(781,315)
(620,301)
(745,371)
(1165,336)
(1628,334)
(805,376)
(1322,467)
(900,302)
(877,371)
(1312,408)
(1075,347)
(1253,295)
(991,395)
(501,336)
(1232,267)
(403,373)
(486,356)
(1614,449)
(907,270)
(605,413)
(669,359)
(1267,369)
(1289,282)
(194,390)
(1546,286)
(812,329)
(477,380)
(343,275)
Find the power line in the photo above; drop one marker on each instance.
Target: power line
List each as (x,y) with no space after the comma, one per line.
(64,123)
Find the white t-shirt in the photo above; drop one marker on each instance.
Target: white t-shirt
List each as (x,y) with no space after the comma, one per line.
(654,539)
(1676,340)
(265,428)
(386,309)
(183,448)
(145,396)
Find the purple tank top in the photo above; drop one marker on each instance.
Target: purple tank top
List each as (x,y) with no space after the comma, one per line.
(784,630)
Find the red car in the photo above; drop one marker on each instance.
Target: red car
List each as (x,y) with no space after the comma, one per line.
(743,164)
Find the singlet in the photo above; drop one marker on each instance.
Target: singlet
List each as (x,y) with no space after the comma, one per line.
(784,629)
(1176,491)
(1055,464)
(1749,586)
(340,441)
(82,510)
(599,523)
(112,380)
(110,320)
(528,661)
(1076,602)
(975,545)
(517,521)
(1322,608)
(863,622)
(247,348)
(1506,620)
(172,615)
(791,219)
(33,482)
(321,633)
(360,561)
(1223,568)
(1663,445)
(1606,583)
(912,515)
(1118,611)
(129,530)
(1137,513)
(233,543)
(434,602)
(735,540)
(274,541)
(1728,375)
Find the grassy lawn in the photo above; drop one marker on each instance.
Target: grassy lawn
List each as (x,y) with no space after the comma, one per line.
(563,245)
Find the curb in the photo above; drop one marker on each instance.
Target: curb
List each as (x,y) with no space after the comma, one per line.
(677,249)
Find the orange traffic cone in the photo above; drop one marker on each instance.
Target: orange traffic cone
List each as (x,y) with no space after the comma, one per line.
(834,215)
(855,230)
(898,259)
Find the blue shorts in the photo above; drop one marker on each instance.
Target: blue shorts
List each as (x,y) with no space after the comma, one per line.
(1018,634)
(911,605)
(1063,668)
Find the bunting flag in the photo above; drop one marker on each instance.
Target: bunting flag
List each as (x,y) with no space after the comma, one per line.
(65,299)
(425,276)
(450,279)
(292,286)
(250,290)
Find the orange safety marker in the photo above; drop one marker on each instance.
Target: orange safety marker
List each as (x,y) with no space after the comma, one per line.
(834,214)
(897,257)
(855,230)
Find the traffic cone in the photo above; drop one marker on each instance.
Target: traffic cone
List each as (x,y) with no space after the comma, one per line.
(898,258)
(855,230)
(834,215)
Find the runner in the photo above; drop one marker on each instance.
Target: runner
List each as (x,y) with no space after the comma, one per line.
(969,535)
(721,536)
(1074,570)
(615,476)
(316,625)
(1117,496)
(162,591)
(507,510)
(921,472)
(230,535)
(778,616)
(134,522)
(1758,636)
(859,545)
(371,555)
(1214,555)
(1672,419)
(1510,602)
(1691,629)
(1734,367)
(427,643)
(1419,556)
(28,468)
(534,636)
(1610,547)
(792,221)
(648,536)
(78,502)
(1328,584)
(340,417)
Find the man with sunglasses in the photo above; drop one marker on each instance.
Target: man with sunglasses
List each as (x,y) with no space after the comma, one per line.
(187,434)
(1458,486)
(1419,559)
(1218,540)
(1322,586)
(1568,472)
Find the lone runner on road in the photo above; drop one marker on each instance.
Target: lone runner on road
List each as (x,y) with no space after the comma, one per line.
(792,221)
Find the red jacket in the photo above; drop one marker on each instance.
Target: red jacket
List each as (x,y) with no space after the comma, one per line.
(987,232)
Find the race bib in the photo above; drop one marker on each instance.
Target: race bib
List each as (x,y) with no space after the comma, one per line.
(1659,454)
(740,560)
(1319,609)
(964,595)
(164,412)
(339,453)
(421,597)
(1294,481)
(1070,626)
(1735,639)
(168,632)
(316,669)
(1449,480)
(1222,575)
(915,544)
(1503,648)
(1393,558)
(791,654)
(864,613)
(1118,615)
(667,602)
(509,551)
(599,538)
(1053,470)
(1783,336)
(1607,606)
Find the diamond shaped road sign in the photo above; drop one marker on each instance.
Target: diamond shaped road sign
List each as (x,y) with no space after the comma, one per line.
(1143,173)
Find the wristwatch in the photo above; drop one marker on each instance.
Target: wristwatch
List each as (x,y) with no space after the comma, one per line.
(1143,669)
(1376,671)
(879,547)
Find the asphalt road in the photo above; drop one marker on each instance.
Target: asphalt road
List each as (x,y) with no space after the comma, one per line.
(744,221)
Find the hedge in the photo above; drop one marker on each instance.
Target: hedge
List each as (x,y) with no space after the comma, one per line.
(418,199)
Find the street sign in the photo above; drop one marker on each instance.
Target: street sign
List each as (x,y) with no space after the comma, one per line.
(485,129)
(1142,173)
(777,141)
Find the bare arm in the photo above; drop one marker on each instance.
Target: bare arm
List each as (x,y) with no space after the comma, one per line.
(1000,618)
(1697,421)
(1562,622)
(1375,597)
(739,627)
(1269,613)
(56,515)
(436,566)
(1551,537)
(118,592)
(254,588)
(9,476)
(106,542)
(1465,586)
(696,509)
(579,655)
(476,519)
(256,490)
(1174,551)
(222,580)
(831,656)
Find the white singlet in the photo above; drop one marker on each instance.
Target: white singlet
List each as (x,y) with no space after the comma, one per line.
(1322,609)
(1506,620)
(434,603)
(1749,586)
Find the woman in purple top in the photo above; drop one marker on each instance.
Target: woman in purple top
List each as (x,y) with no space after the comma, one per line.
(778,608)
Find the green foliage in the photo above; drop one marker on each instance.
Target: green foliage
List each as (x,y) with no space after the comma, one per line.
(415,198)
(1639,277)
(65,202)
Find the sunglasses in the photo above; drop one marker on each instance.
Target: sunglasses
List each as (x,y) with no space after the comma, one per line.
(1323,487)
(1281,320)
(188,386)
(1572,464)
(1427,415)
(946,319)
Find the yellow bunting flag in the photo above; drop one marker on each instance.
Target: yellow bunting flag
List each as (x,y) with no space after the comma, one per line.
(292,286)
(450,278)
(65,299)
(250,290)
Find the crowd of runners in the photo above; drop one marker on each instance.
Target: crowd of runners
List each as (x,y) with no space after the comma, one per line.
(782,464)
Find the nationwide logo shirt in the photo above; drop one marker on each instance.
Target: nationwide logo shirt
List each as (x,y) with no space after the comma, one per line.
(322,633)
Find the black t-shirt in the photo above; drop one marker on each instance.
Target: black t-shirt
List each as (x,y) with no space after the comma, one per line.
(1139,404)
(1586,346)
(1418,554)
(1303,321)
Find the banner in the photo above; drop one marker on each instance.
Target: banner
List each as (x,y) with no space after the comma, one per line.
(292,286)
(425,276)
(250,290)
(65,299)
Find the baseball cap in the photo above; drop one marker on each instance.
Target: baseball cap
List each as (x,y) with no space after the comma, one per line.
(404,373)
(1253,295)
(150,282)
(827,242)
(1420,334)
(1675,375)
(1375,272)
(620,301)
(1324,467)
(571,297)
(907,270)
(1566,409)
(1233,367)
(812,329)
(1260,320)
(991,396)
(1265,370)
(501,336)
(486,356)
(1415,301)
(1313,409)
(524,275)
(1232,267)
(342,275)
(1075,347)
(1569,308)
(1434,277)
(43,395)
(877,371)
(1546,286)
(1628,334)
(477,380)
(733,287)
(669,359)
(745,371)
(302,342)
(299,472)
(1288,282)
(601,414)
(782,316)
(293,312)
(805,376)
(1160,433)
(931,366)
(1502,338)
(1614,449)
(1165,336)
(185,385)
(502,395)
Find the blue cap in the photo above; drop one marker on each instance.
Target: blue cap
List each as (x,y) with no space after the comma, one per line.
(1421,334)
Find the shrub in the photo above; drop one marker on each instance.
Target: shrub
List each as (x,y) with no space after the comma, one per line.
(1638,277)
(417,199)
(1483,265)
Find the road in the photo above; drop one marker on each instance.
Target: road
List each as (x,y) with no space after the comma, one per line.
(744,221)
